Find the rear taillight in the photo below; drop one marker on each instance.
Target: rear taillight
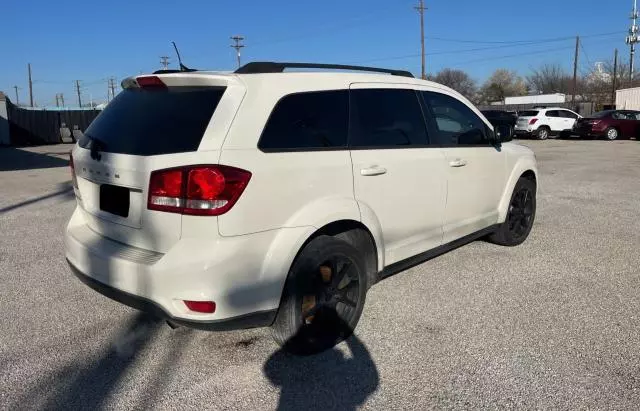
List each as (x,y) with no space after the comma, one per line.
(197,190)
(74,181)
(595,122)
(533,121)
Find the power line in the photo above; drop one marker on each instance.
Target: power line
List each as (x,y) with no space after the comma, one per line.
(513,55)
(544,40)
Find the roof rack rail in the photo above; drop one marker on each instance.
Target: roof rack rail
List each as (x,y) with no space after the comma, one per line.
(275,67)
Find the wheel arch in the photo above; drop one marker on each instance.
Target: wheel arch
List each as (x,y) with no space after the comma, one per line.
(526,168)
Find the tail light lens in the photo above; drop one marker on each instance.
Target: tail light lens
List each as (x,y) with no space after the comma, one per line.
(198,190)
(74,181)
(533,121)
(595,122)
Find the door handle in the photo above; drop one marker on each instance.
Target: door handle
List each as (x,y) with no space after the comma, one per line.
(458,163)
(373,171)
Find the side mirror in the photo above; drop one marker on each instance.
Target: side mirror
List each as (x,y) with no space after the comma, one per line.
(504,132)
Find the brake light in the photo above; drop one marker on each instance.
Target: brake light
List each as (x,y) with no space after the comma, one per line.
(74,180)
(150,82)
(198,190)
(595,122)
(207,307)
(533,121)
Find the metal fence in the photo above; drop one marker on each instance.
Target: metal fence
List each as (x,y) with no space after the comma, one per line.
(29,127)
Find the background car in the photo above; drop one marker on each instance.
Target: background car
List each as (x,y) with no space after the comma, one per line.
(545,122)
(500,117)
(610,124)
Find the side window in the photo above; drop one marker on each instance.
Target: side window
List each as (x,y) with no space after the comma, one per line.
(313,120)
(618,115)
(553,113)
(386,118)
(635,116)
(568,114)
(457,124)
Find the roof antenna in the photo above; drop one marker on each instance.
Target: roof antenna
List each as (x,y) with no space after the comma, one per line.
(182,66)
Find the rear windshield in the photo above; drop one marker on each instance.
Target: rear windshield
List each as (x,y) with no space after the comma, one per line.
(154,121)
(528,113)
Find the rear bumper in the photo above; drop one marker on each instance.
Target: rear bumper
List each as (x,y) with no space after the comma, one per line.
(251,320)
(243,275)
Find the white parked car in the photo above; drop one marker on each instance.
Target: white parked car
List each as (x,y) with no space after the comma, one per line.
(265,198)
(545,122)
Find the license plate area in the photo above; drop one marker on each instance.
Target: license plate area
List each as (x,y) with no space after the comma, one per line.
(115,200)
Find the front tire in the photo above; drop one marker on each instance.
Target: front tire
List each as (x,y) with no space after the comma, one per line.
(520,215)
(323,297)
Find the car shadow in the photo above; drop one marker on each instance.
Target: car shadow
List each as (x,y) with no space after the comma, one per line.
(12,158)
(64,190)
(87,384)
(331,380)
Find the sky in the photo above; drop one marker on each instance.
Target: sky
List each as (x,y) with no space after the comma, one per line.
(67,40)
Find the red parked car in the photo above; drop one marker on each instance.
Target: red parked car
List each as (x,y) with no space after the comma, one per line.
(610,124)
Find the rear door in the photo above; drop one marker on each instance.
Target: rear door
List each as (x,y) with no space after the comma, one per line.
(555,120)
(397,174)
(475,167)
(141,130)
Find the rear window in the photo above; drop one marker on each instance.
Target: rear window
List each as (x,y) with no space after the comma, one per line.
(147,122)
(529,113)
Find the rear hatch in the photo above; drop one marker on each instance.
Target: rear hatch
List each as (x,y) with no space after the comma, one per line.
(141,130)
(525,118)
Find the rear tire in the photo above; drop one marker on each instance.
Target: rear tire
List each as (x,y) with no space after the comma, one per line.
(611,133)
(543,133)
(520,215)
(323,297)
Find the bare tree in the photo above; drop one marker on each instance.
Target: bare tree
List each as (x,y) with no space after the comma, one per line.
(458,80)
(502,83)
(550,78)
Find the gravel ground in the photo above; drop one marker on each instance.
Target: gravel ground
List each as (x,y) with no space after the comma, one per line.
(550,324)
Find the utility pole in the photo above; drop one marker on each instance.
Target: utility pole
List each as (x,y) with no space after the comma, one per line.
(78,91)
(62,99)
(16,88)
(30,86)
(112,87)
(575,71)
(632,38)
(57,100)
(615,74)
(421,8)
(237,39)
(164,60)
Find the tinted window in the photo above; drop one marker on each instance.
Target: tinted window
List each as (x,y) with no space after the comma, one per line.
(618,115)
(601,114)
(154,121)
(528,113)
(568,114)
(386,118)
(553,113)
(457,124)
(308,120)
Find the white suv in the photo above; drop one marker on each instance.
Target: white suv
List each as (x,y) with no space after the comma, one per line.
(545,122)
(264,198)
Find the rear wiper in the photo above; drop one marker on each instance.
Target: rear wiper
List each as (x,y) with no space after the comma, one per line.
(95,146)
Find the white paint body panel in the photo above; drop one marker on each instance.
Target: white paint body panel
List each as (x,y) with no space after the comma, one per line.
(241,259)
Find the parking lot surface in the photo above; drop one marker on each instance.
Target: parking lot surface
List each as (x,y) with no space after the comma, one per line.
(554,322)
